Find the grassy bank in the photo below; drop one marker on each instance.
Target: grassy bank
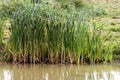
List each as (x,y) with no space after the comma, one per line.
(112,22)
(40,33)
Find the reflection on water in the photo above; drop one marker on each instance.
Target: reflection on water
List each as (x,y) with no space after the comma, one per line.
(59,72)
(112,75)
(7,75)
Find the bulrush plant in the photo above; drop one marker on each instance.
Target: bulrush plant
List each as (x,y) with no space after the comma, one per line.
(43,35)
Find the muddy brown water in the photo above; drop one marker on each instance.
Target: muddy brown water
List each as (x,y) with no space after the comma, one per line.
(59,72)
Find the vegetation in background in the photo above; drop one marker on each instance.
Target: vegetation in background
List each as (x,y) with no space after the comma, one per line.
(47,35)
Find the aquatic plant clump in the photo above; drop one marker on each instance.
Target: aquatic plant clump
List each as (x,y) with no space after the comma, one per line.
(43,35)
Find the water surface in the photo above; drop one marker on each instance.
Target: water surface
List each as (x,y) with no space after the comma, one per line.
(59,72)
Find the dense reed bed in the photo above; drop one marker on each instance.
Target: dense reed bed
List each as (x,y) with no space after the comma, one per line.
(45,35)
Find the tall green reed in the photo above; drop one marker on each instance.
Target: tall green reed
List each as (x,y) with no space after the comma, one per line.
(1,31)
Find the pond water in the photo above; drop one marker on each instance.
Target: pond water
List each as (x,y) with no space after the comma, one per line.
(59,72)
